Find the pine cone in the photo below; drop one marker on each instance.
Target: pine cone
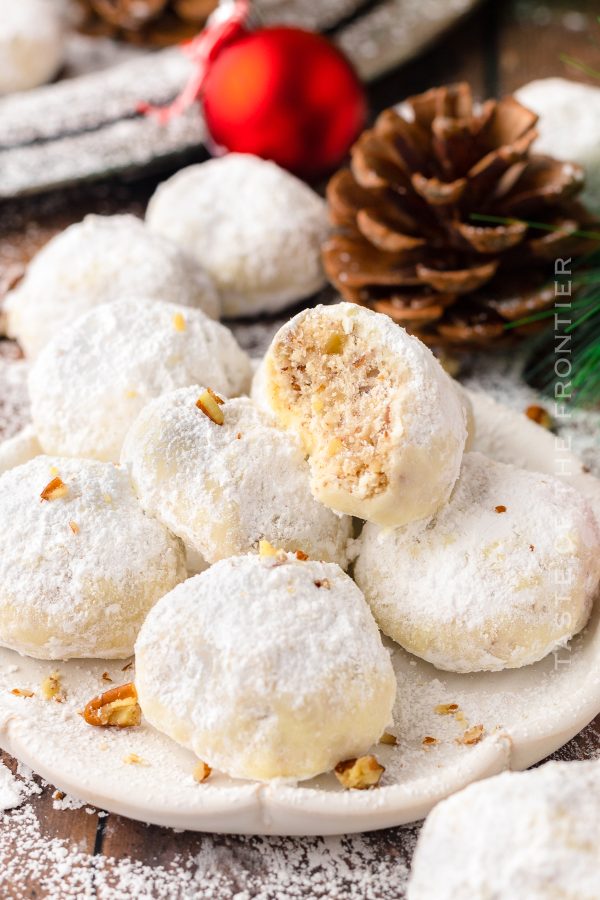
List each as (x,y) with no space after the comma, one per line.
(421,231)
(154,22)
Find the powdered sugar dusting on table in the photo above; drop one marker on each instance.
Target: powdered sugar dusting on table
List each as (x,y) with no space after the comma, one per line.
(221,868)
(393,31)
(92,100)
(87,126)
(306,13)
(10,791)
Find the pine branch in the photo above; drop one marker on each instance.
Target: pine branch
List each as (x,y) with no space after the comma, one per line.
(584,350)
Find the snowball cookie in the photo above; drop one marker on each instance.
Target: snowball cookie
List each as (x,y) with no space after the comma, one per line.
(19,449)
(257,229)
(80,563)
(531,835)
(90,382)
(224,487)
(101,259)
(32,43)
(266,667)
(382,422)
(506,572)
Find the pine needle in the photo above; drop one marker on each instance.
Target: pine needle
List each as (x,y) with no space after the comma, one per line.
(542,226)
(577,64)
(583,351)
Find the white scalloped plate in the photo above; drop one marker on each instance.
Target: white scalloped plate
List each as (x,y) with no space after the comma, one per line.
(527,714)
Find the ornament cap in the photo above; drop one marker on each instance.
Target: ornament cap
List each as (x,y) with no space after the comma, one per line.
(228,8)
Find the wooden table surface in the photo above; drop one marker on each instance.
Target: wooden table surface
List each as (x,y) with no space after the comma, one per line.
(504,44)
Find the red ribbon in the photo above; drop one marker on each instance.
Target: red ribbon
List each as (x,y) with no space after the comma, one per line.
(203,50)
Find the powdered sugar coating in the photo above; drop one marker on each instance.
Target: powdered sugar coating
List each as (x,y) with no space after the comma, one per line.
(91,381)
(19,449)
(100,260)
(258,389)
(222,488)
(32,43)
(383,424)
(78,573)
(503,574)
(255,227)
(266,668)
(526,834)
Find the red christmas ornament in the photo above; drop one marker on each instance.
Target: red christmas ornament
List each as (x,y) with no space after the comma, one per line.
(280,93)
(286,95)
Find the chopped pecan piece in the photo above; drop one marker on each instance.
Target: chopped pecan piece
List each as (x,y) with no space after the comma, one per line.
(201,772)
(472,735)
(335,344)
(359,774)
(118,707)
(446,709)
(539,415)
(55,489)
(52,688)
(265,548)
(210,404)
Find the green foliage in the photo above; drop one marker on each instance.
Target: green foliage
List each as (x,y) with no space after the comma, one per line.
(579,342)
